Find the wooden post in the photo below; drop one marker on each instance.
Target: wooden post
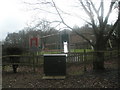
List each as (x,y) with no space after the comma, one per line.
(84,59)
(109,53)
(33,62)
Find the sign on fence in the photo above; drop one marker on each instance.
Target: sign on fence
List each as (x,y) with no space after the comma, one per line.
(34,44)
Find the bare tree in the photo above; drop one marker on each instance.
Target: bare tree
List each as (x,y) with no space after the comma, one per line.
(99,28)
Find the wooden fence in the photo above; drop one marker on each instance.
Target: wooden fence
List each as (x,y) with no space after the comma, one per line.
(34,61)
(88,56)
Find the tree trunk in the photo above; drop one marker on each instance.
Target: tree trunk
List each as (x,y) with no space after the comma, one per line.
(98,62)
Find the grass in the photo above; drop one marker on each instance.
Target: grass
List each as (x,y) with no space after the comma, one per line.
(80,50)
(53,52)
(58,52)
(79,72)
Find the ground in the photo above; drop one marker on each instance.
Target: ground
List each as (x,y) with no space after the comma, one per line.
(75,78)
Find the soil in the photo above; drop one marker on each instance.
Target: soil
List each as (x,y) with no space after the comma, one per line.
(75,78)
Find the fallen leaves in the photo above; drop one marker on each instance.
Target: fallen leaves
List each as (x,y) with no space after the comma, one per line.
(73,79)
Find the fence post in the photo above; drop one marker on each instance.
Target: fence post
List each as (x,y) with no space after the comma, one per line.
(84,59)
(33,62)
(111,54)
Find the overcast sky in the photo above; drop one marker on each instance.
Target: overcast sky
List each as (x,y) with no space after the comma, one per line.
(14,15)
(11,18)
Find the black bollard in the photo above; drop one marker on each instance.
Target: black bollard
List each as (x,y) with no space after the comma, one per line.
(15,66)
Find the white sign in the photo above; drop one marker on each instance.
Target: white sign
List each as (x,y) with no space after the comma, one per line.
(65,47)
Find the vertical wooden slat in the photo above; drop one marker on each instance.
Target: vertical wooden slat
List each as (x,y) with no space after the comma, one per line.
(85,57)
(33,62)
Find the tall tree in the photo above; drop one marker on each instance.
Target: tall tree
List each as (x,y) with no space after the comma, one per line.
(98,22)
(99,29)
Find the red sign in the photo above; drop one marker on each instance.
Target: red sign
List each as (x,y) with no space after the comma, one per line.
(34,42)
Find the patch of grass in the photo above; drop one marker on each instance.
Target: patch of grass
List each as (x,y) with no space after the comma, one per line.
(58,52)
(80,50)
(7,68)
(55,52)
(80,72)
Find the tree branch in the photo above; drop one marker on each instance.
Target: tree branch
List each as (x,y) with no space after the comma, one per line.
(60,14)
(108,14)
(44,10)
(88,13)
(102,12)
(37,3)
(99,8)
(111,31)
(94,8)
(84,38)
(71,27)
(57,24)
(100,18)
(91,17)
(74,15)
